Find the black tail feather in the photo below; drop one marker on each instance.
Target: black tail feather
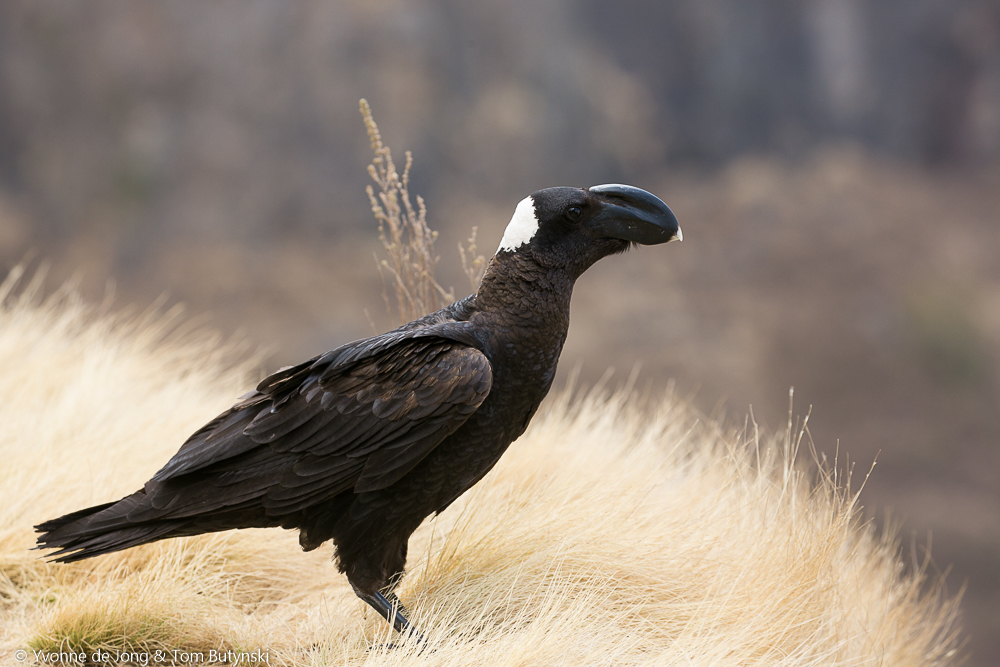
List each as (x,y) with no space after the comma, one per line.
(81,548)
(76,536)
(54,524)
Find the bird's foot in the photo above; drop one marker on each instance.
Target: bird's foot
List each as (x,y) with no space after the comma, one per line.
(391,609)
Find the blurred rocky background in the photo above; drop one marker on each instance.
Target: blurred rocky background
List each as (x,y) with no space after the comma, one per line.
(835,165)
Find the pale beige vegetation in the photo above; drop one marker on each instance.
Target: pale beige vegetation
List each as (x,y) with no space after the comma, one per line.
(612,532)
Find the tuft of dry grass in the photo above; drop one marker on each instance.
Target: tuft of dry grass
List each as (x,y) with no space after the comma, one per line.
(610,533)
(406,238)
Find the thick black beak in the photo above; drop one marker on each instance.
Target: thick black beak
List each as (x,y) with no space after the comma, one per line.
(632,214)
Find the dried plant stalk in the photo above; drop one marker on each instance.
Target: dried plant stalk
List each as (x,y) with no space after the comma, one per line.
(403,231)
(473,265)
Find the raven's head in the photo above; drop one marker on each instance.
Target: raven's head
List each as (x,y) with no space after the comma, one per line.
(573,227)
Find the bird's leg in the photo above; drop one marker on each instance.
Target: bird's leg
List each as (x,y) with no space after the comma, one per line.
(392,610)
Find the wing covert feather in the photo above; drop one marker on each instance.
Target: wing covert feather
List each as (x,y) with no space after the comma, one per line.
(326,429)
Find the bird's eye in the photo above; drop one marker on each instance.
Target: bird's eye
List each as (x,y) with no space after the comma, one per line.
(573,213)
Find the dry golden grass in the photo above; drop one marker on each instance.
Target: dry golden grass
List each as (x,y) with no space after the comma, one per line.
(610,533)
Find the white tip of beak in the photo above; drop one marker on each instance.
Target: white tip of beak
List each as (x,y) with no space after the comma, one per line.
(680,235)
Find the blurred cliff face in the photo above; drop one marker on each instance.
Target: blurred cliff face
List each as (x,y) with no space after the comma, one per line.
(241,118)
(833,164)
(238,119)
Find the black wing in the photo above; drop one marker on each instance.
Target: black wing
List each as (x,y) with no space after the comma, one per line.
(316,430)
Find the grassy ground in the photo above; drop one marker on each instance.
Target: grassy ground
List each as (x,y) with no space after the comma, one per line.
(618,530)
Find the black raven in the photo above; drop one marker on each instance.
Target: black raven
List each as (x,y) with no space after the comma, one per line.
(360,444)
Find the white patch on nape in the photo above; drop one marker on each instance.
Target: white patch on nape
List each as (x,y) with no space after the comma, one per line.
(522,226)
